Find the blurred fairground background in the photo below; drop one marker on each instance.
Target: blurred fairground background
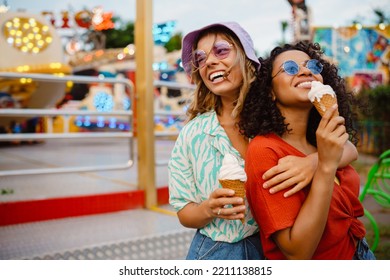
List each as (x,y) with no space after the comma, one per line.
(90,107)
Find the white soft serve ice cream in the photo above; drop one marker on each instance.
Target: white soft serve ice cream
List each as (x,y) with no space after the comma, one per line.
(231,169)
(318,90)
(322,96)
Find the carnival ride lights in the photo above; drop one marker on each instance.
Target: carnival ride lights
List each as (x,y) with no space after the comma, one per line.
(162,32)
(101,123)
(103,102)
(27,34)
(30,44)
(104,98)
(85,60)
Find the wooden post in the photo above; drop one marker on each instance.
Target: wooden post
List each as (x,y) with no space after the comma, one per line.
(145,100)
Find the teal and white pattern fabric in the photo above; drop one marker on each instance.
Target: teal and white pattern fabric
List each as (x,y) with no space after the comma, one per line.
(193,171)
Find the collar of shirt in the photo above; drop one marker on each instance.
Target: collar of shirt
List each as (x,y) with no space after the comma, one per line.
(218,137)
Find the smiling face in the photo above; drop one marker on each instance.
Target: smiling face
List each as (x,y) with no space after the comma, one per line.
(223,76)
(292,90)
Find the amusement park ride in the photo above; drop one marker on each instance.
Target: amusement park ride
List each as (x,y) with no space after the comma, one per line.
(30,45)
(44,55)
(42,44)
(33,44)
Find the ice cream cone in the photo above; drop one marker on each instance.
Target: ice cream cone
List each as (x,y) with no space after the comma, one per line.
(236,185)
(324,103)
(322,96)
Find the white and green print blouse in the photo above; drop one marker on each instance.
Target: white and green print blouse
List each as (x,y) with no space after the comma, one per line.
(193,172)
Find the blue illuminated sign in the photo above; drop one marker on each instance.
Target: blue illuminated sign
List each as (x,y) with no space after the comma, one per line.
(163,32)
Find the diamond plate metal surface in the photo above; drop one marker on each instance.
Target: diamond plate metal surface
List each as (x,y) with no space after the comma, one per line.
(133,234)
(172,246)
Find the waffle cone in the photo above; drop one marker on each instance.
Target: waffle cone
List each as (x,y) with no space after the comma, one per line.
(237,186)
(324,103)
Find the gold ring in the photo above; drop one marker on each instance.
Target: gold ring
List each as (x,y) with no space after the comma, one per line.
(219,211)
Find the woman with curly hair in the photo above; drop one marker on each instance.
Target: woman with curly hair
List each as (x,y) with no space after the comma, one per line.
(220,59)
(321,221)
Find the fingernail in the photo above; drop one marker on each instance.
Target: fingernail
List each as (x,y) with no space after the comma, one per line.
(240,200)
(271,191)
(265,185)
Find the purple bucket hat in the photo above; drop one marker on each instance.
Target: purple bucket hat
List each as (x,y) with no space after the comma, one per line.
(243,36)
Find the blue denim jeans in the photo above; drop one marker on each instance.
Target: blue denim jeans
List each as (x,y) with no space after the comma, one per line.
(204,248)
(363,251)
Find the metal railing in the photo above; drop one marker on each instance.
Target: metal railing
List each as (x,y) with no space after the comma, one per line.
(66,113)
(171,85)
(77,135)
(178,114)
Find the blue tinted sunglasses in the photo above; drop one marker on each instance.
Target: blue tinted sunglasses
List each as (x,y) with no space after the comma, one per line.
(292,68)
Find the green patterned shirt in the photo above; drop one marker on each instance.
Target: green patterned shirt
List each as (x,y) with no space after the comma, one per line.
(193,174)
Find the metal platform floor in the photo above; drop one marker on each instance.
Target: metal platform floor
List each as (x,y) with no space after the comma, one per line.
(130,234)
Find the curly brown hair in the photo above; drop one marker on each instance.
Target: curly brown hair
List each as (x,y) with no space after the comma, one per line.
(261,116)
